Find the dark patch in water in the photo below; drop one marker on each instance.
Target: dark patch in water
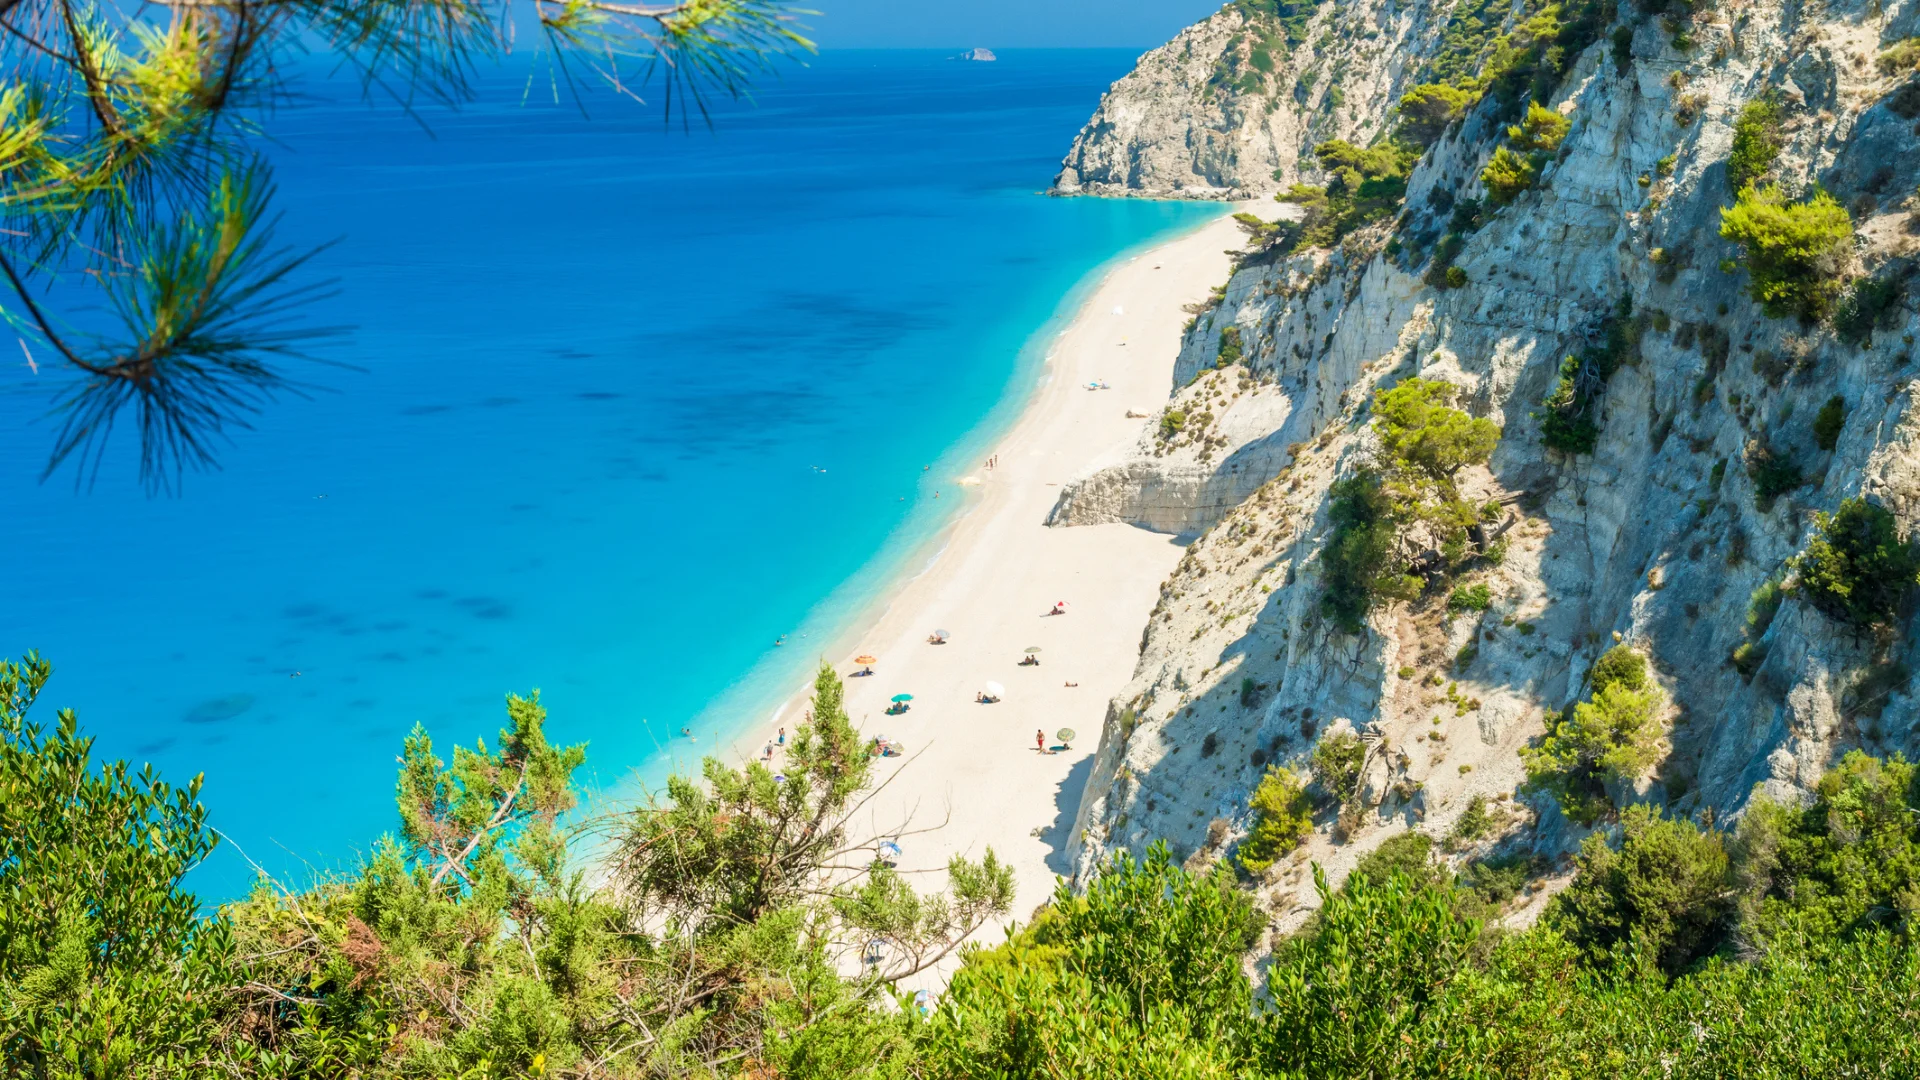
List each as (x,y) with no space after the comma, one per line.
(570,354)
(432,594)
(500,402)
(598,395)
(485,607)
(155,746)
(391,657)
(362,703)
(425,410)
(431,650)
(522,507)
(303,611)
(213,740)
(389,626)
(220,709)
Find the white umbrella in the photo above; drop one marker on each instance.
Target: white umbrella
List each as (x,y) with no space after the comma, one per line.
(995,690)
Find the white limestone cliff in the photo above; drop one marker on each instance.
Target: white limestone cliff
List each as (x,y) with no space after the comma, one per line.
(1655,539)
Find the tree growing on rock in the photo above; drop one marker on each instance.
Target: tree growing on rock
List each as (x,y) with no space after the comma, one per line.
(1856,569)
(1403,502)
(1795,252)
(1612,738)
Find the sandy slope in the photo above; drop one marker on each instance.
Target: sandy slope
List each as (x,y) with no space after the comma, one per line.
(975,766)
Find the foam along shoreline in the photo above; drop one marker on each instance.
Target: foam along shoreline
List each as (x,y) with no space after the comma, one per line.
(974,766)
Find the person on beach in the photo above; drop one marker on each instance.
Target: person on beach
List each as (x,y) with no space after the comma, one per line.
(1040,741)
(767,755)
(783,736)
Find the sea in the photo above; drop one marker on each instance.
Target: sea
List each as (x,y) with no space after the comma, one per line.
(645,415)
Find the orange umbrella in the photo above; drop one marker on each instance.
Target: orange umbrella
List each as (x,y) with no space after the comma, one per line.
(866,659)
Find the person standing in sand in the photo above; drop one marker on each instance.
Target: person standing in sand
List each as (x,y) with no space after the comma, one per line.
(1040,741)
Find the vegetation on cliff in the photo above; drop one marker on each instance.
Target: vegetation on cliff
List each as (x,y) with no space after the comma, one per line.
(1403,501)
(1795,252)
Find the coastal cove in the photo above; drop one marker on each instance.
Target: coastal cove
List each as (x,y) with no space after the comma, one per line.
(623,407)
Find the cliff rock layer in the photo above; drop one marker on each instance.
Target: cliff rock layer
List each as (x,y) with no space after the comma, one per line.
(1703,482)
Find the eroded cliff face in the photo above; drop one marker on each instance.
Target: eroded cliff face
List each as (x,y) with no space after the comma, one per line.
(1657,538)
(1231,106)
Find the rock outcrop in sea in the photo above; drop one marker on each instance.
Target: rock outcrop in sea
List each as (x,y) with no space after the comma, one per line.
(1703,483)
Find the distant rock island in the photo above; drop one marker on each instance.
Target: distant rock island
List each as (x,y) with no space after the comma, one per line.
(978,54)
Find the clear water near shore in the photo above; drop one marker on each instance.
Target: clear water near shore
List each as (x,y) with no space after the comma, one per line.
(631,405)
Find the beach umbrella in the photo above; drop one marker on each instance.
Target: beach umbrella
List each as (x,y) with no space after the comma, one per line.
(1031,649)
(888,847)
(1065,734)
(941,635)
(866,659)
(902,697)
(994,689)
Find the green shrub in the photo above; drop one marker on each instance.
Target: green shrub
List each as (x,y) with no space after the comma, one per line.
(1473,824)
(1362,563)
(1498,880)
(1540,131)
(1829,421)
(1229,347)
(1565,425)
(1569,415)
(1422,434)
(1455,277)
(1902,56)
(1427,110)
(1856,569)
(1773,474)
(1756,143)
(1283,816)
(1408,855)
(1663,890)
(1336,765)
(1470,598)
(1795,252)
(1507,175)
(1619,666)
(1613,738)
(1172,422)
(1622,48)
(1363,186)
(1872,303)
(1424,443)
(1762,605)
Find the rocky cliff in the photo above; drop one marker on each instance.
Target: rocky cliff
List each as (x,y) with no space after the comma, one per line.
(1702,484)
(1234,105)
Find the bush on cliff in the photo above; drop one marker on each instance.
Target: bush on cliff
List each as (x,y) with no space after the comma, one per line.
(1282,817)
(1756,143)
(1362,563)
(1613,738)
(1856,569)
(1428,109)
(1795,253)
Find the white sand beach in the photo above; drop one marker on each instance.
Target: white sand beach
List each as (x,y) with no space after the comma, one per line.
(975,766)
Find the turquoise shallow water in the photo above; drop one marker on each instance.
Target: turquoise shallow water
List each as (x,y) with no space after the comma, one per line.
(628,405)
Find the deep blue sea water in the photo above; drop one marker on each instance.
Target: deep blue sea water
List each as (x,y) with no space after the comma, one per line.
(628,405)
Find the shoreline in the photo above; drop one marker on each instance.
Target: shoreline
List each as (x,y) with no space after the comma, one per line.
(732,724)
(990,575)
